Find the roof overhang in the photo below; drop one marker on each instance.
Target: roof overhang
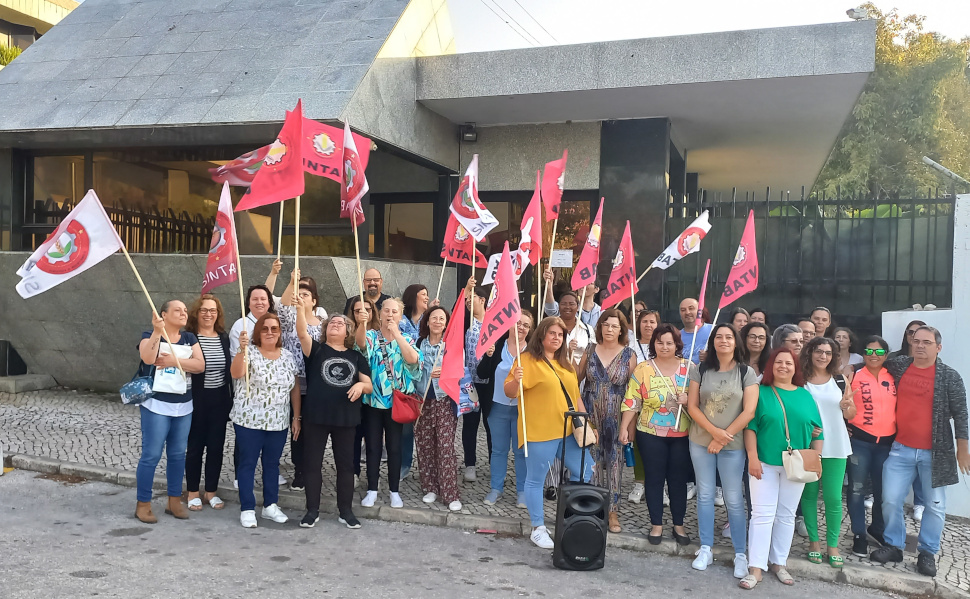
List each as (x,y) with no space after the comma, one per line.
(752,109)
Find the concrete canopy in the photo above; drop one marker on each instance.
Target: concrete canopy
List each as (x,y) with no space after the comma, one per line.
(752,108)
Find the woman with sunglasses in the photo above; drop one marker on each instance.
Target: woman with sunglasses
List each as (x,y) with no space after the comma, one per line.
(871,434)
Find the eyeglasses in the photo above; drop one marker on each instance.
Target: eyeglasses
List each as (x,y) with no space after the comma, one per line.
(208,310)
(757,337)
(612,327)
(271,329)
(875,352)
(822,352)
(376,280)
(911,332)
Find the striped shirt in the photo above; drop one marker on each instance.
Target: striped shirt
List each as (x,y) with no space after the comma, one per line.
(215,362)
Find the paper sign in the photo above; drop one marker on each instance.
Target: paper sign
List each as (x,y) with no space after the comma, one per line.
(561,259)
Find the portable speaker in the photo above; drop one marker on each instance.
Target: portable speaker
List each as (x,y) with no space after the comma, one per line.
(581,527)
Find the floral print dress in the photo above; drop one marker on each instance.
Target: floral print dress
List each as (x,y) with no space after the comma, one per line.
(266,407)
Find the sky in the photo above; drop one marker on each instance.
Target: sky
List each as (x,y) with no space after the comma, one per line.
(482,25)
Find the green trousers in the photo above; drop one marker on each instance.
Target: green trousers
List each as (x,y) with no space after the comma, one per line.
(833,474)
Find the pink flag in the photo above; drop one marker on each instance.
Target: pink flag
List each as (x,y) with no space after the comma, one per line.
(744,272)
(323,150)
(530,245)
(468,209)
(459,245)
(585,271)
(240,171)
(623,278)
(220,267)
(502,311)
(552,185)
(281,175)
(453,360)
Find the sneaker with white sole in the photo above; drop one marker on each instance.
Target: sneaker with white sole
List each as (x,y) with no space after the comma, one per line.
(369,499)
(274,513)
(310,519)
(470,474)
(540,538)
(396,501)
(718,496)
(918,513)
(636,495)
(248,518)
(520,501)
(429,498)
(740,565)
(282,481)
(492,497)
(704,558)
(726,531)
(455,506)
(800,527)
(350,521)
(691,490)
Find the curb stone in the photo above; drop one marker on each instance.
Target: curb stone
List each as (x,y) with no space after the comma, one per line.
(864,577)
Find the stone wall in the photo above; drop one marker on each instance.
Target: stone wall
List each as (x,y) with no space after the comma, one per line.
(84,332)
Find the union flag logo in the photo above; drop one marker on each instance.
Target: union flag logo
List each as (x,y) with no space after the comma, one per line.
(69,251)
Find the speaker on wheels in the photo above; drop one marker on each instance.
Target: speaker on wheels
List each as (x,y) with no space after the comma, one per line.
(581,527)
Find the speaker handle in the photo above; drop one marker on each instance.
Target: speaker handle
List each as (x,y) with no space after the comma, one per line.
(562,458)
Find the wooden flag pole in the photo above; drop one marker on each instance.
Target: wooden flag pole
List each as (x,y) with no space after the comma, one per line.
(581,302)
(360,276)
(154,311)
(279,237)
(552,247)
(644,273)
(518,358)
(540,301)
(296,263)
(716,314)
(437,294)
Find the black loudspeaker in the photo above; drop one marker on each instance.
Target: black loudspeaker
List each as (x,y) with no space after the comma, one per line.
(581,527)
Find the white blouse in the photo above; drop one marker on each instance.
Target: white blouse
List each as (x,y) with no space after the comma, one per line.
(267,405)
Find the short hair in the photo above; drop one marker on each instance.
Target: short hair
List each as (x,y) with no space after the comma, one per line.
(269,296)
(762,310)
(410,298)
(425,331)
(258,329)
(397,301)
(313,293)
(349,340)
(567,293)
(877,339)
(661,330)
(192,324)
(710,361)
(535,349)
(778,338)
(624,325)
(768,376)
(640,317)
(805,319)
(833,367)
(934,330)
(374,322)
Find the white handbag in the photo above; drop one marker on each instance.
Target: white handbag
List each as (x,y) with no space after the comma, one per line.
(171,380)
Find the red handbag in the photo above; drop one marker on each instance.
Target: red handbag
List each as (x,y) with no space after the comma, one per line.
(405,408)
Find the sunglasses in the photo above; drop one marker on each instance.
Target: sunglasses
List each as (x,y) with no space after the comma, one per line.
(875,352)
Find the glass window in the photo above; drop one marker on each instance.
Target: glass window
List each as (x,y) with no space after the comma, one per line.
(58,184)
(409,232)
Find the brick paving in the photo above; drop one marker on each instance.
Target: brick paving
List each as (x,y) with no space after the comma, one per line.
(96,429)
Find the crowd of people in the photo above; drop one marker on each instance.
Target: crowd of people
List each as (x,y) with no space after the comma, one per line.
(735,422)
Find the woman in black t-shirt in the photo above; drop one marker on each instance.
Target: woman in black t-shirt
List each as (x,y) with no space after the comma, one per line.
(336,377)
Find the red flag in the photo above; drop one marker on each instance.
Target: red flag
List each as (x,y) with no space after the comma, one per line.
(355,183)
(585,271)
(700,300)
(281,175)
(623,278)
(552,182)
(459,245)
(530,244)
(744,272)
(220,267)
(453,359)
(240,171)
(323,150)
(502,311)
(468,209)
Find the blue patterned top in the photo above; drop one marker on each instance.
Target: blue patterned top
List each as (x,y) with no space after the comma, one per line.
(408,327)
(429,353)
(471,341)
(403,373)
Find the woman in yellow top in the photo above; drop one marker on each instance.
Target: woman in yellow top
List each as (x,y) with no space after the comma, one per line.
(545,370)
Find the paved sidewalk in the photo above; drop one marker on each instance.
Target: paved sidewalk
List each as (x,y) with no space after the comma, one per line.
(96,429)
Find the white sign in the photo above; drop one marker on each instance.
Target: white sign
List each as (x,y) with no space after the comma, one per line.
(561,259)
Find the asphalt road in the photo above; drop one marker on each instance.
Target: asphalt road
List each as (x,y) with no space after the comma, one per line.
(60,538)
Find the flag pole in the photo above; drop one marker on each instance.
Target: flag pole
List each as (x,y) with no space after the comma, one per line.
(279,236)
(518,358)
(552,247)
(680,408)
(716,314)
(360,276)
(297,240)
(644,273)
(152,304)
(242,297)
(581,302)
(437,294)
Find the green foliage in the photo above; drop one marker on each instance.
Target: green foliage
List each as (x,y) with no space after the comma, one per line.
(8,53)
(915,104)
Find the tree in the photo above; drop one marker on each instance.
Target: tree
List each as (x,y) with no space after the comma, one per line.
(915,104)
(8,53)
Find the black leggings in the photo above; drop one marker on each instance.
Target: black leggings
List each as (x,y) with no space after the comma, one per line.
(666,460)
(296,446)
(380,427)
(207,433)
(314,437)
(469,427)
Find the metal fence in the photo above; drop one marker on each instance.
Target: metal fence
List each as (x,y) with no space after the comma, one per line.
(146,231)
(858,256)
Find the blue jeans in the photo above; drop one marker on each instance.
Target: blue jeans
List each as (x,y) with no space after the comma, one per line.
(503,421)
(252,444)
(898,474)
(866,462)
(541,455)
(407,447)
(157,431)
(730,464)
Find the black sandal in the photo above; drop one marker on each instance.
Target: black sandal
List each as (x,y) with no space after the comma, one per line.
(681,539)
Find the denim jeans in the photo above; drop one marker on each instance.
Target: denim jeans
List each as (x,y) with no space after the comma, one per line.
(266,447)
(730,464)
(157,431)
(503,421)
(866,462)
(541,456)
(898,474)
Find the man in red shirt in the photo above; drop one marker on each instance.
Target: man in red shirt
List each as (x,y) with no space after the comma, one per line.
(929,395)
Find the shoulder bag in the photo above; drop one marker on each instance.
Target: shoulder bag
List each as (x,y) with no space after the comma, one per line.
(801,465)
(584,434)
(139,389)
(405,408)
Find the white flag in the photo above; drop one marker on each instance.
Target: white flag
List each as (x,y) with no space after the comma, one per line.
(519,261)
(687,243)
(85,237)
(468,209)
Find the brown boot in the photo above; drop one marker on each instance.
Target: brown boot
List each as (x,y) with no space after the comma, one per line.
(175,508)
(144,512)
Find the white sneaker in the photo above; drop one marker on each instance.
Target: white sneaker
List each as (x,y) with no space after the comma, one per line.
(918,512)
(691,490)
(704,558)
(740,565)
(248,518)
(396,501)
(455,506)
(540,538)
(235,484)
(636,495)
(800,527)
(369,499)
(726,532)
(282,480)
(429,498)
(868,502)
(470,474)
(274,513)
(718,496)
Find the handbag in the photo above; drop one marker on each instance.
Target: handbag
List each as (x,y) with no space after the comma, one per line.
(171,379)
(584,434)
(139,389)
(405,408)
(801,465)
